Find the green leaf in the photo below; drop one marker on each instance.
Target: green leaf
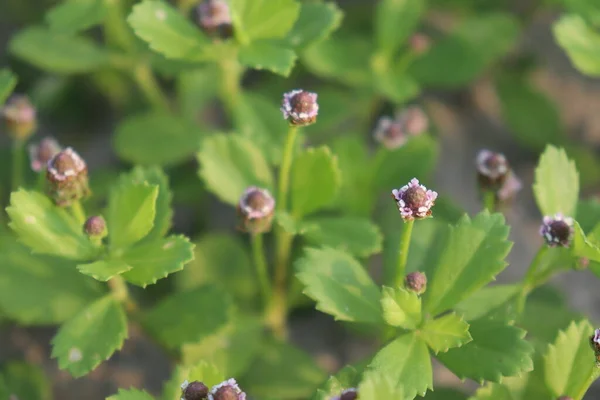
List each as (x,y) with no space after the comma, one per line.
(340,285)
(229,164)
(131,211)
(316,179)
(490,302)
(315,23)
(57,52)
(556,185)
(222,260)
(346,378)
(156,138)
(90,337)
(196,89)
(570,363)
(22,381)
(263,19)
(389,33)
(531,116)
(580,41)
(103,270)
(154,260)
(282,371)
(168,32)
(588,9)
(401,308)
(376,386)
(445,332)
(73,16)
(268,55)
(468,257)
(497,350)
(8,82)
(131,394)
(46,228)
(588,214)
(187,317)
(358,236)
(412,371)
(202,371)
(292,225)
(398,86)
(582,247)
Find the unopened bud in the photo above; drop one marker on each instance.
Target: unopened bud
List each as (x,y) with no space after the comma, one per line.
(492,170)
(256,209)
(300,108)
(390,133)
(564,398)
(214,17)
(511,186)
(227,390)
(414,200)
(95,227)
(557,231)
(348,394)
(419,43)
(194,391)
(19,115)
(582,263)
(416,282)
(67,177)
(42,152)
(414,120)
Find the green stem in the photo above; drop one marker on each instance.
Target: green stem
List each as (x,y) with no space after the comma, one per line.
(260,263)
(146,81)
(529,281)
(403,253)
(119,290)
(116,31)
(18,153)
(78,212)
(489,201)
(230,90)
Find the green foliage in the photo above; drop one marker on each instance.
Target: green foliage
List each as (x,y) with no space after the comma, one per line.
(24,382)
(263,19)
(446,332)
(315,22)
(268,55)
(490,302)
(90,337)
(390,34)
(73,16)
(378,386)
(401,308)
(8,81)
(582,247)
(580,41)
(348,377)
(131,394)
(104,270)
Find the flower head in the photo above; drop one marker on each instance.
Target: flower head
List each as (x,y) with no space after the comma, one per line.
(595,343)
(227,390)
(95,227)
(42,152)
(19,115)
(419,43)
(416,282)
(300,107)
(390,133)
(492,169)
(413,119)
(256,209)
(414,200)
(68,177)
(194,391)
(347,394)
(214,16)
(557,231)
(511,186)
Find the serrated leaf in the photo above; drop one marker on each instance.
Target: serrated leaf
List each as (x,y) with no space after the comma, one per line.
(470,256)
(187,317)
(73,16)
(103,270)
(315,22)
(346,378)
(357,236)
(570,363)
(154,260)
(263,19)
(131,211)
(8,82)
(316,179)
(167,31)
(582,246)
(445,332)
(22,381)
(376,386)
(401,307)
(491,302)
(292,225)
(282,371)
(46,228)
(556,186)
(131,394)
(496,351)
(397,86)
(389,33)
(156,138)
(588,214)
(340,285)
(412,371)
(229,164)
(57,52)
(202,372)
(268,55)
(90,337)
(580,41)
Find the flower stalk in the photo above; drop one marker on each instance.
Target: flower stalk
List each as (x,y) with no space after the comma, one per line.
(403,253)
(260,263)
(18,149)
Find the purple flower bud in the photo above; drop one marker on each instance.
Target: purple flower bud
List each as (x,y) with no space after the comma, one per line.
(256,209)
(214,17)
(42,152)
(595,341)
(414,200)
(492,169)
(19,115)
(95,227)
(194,391)
(414,120)
(300,108)
(390,133)
(511,186)
(68,177)
(557,231)
(348,394)
(227,390)
(582,263)
(565,398)
(419,43)
(416,282)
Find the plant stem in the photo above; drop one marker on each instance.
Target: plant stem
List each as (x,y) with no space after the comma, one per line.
(146,81)
(119,290)
(489,201)
(403,252)
(17,163)
(529,282)
(231,74)
(260,263)
(78,212)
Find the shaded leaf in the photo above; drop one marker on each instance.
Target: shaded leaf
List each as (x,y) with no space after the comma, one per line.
(8,82)
(72,16)
(315,22)
(24,382)
(346,378)
(103,270)
(446,332)
(263,19)
(556,186)
(490,302)
(580,41)
(131,394)
(268,55)
(390,33)
(401,307)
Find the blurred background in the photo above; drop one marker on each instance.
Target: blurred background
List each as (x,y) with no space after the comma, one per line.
(83,111)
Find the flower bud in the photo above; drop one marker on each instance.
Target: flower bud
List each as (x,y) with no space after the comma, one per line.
(595,341)
(348,394)
(390,133)
(582,263)
(414,201)
(509,188)
(214,17)
(227,390)
(67,177)
(557,231)
(492,170)
(19,115)
(256,209)
(300,108)
(194,391)
(95,227)
(42,152)
(416,282)
(414,120)
(565,398)
(419,43)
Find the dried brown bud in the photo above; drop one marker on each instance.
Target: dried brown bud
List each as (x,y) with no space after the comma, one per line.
(416,282)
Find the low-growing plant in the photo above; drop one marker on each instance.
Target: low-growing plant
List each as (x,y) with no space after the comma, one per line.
(307,188)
